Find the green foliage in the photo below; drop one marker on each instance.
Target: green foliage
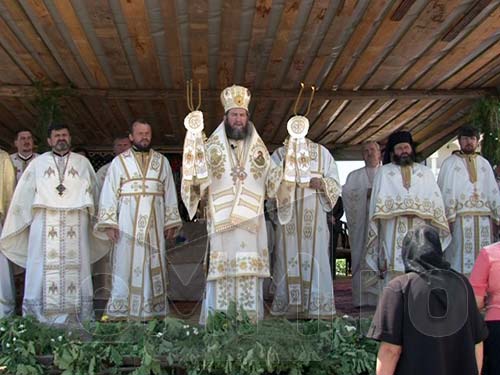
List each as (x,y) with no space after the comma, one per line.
(21,341)
(230,344)
(485,116)
(47,103)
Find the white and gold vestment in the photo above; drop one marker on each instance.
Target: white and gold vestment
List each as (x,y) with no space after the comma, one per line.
(48,231)
(241,175)
(302,274)
(20,163)
(139,199)
(402,198)
(7,184)
(472,202)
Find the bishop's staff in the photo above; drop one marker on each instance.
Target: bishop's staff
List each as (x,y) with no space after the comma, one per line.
(194,162)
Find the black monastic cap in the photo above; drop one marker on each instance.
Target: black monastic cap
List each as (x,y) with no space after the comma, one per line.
(394,139)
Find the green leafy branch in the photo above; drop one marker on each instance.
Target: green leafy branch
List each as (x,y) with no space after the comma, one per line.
(485,116)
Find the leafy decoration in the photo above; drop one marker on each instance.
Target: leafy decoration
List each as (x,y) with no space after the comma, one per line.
(485,116)
(229,344)
(47,103)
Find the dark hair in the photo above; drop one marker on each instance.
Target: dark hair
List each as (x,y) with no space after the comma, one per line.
(468,131)
(120,137)
(21,131)
(137,121)
(53,127)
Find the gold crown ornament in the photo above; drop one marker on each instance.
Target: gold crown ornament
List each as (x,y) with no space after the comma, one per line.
(235,97)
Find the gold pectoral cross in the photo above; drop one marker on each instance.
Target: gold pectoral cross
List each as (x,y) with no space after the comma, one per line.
(238,173)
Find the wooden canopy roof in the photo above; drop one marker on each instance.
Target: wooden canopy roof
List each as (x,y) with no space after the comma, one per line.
(379,65)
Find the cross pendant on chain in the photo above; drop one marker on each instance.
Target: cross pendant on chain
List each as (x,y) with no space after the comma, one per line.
(60,188)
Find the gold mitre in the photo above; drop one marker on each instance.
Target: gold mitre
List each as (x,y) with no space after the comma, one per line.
(235,97)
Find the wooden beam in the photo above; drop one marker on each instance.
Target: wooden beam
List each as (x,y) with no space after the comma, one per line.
(276,94)
(442,136)
(469,15)
(401,10)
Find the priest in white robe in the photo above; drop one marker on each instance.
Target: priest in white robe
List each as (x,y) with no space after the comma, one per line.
(102,269)
(120,144)
(7,184)
(234,171)
(302,274)
(24,155)
(48,231)
(138,211)
(356,195)
(471,199)
(405,194)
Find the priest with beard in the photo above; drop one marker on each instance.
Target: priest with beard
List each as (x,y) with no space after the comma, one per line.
(235,173)
(405,195)
(138,212)
(48,231)
(471,199)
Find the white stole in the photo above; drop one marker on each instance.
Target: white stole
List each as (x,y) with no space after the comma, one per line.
(237,191)
(144,190)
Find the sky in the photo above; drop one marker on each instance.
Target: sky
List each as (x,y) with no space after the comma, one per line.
(346,167)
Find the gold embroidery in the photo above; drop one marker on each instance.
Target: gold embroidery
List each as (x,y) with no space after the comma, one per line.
(222,193)
(216,156)
(73,172)
(245,191)
(259,159)
(218,207)
(49,172)
(107,215)
(249,205)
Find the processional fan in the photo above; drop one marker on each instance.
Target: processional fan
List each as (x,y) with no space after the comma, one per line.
(194,161)
(297,159)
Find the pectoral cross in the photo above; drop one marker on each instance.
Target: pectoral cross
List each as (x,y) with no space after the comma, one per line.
(238,173)
(60,188)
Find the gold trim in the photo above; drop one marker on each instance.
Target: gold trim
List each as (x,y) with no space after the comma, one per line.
(298,228)
(124,165)
(219,207)
(142,194)
(142,179)
(245,191)
(134,235)
(223,193)
(248,205)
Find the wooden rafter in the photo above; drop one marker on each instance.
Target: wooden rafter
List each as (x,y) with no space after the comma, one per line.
(144,94)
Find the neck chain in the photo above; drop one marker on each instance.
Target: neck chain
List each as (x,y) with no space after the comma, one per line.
(61,188)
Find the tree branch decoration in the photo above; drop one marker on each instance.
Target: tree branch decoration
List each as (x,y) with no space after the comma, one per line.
(485,116)
(47,104)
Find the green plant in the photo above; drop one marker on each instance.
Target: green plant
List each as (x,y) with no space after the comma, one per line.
(485,116)
(230,344)
(47,104)
(22,340)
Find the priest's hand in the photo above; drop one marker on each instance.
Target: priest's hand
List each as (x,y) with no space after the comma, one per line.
(169,233)
(113,234)
(315,183)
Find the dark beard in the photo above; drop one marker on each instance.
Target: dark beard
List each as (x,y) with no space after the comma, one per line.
(468,152)
(235,134)
(403,160)
(61,147)
(141,148)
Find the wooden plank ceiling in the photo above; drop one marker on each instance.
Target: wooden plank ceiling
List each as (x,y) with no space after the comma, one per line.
(380,65)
